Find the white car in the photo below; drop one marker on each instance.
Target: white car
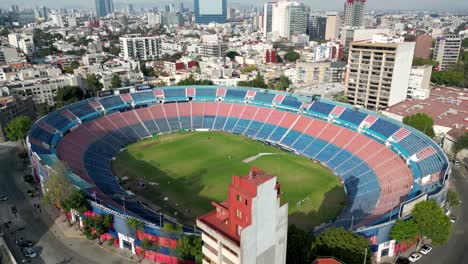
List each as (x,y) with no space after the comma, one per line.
(425,249)
(3,198)
(415,257)
(29,252)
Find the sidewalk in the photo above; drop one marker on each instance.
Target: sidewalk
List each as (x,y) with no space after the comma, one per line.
(63,229)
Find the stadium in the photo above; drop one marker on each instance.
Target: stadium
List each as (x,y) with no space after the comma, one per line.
(385,167)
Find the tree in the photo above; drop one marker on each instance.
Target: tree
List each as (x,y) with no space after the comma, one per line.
(17,129)
(190,248)
(96,226)
(93,84)
(68,95)
(461,143)
(191,81)
(298,246)
(42,109)
(249,68)
(342,244)
(4,32)
(136,224)
(291,56)
(432,221)
(57,187)
(465,43)
(448,78)
(116,82)
(279,59)
(452,198)
(282,83)
(404,231)
(77,201)
(232,54)
(73,65)
(421,122)
(422,62)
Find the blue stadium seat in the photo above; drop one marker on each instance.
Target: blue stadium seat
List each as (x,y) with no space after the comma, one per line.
(205,93)
(235,95)
(230,123)
(197,122)
(278,134)
(291,137)
(384,127)
(175,94)
(186,122)
(353,117)
(253,129)
(112,102)
(208,122)
(174,123)
(162,125)
(264,98)
(327,153)
(291,101)
(265,131)
(219,122)
(143,97)
(241,126)
(322,108)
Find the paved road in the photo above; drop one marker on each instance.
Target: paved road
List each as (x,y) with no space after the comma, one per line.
(51,245)
(456,250)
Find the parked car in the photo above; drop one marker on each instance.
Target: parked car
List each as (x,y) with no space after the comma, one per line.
(3,198)
(29,252)
(415,256)
(24,243)
(402,260)
(453,219)
(425,249)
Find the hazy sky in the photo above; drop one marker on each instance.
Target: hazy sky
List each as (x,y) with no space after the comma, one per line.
(315,4)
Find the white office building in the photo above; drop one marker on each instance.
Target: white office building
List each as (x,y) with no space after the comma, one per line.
(419,82)
(288,18)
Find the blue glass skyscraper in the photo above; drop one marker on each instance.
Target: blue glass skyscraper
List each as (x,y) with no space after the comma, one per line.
(104,7)
(207,11)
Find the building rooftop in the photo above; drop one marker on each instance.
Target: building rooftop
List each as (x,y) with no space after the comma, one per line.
(246,185)
(447,107)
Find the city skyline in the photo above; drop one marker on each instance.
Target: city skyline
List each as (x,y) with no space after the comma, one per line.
(314,4)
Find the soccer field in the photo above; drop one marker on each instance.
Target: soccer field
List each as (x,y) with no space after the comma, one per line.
(184,172)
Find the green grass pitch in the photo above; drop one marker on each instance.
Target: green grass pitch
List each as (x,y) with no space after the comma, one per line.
(184,172)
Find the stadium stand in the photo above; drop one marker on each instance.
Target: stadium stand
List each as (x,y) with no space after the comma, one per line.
(377,177)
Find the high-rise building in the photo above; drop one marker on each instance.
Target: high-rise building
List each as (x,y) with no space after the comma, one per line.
(267,17)
(154,19)
(446,51)
(104,7)
(208,11)
(212,46)
(354,13)
(24,42)
(45,13)
(317,26)
(288,18)
(12,107)
(423,46)
(57,20)
(332,30)
(378,71)
(250,226)
(140,48)
(130,9)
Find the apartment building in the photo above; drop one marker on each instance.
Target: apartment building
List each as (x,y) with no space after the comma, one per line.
(140,48)
(319,72)
(250,226)
(23,41)
(354,13)
(212,46)
(446,51)
(42,90)
(378,72)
